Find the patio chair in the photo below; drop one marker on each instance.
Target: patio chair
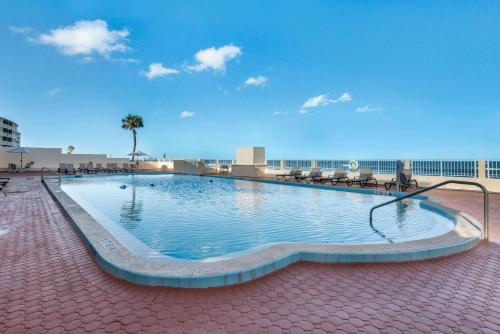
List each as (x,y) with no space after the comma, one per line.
(365,177)
(13,168)
(295,171)
(339,176)
(125,168)
(404,183)
(133,168)
(70,169)
(27,167)
(315,174)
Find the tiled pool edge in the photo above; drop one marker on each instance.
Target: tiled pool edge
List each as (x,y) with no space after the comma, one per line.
(115,259)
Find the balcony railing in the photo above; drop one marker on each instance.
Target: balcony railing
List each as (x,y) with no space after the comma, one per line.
(455,168)
(274,164)
(331,165)
(302,164)
(493,169)
(443,168)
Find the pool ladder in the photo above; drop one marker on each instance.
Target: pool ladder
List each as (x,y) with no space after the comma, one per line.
(486,207)
(44,169)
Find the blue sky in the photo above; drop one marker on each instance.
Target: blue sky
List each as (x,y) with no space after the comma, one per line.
(305,79)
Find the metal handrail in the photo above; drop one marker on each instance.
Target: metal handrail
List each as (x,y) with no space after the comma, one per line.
(486,203)
(50,170)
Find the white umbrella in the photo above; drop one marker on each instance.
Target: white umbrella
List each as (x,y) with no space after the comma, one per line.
(137,154)
(20,150)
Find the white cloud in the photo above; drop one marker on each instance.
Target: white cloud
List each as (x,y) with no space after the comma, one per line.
(187,114)
(157,70)
(20,30)
(303,111)
(86,38)
(215,59)
(316,101)
(280,113)
(323,100)
(367,108)
(256,81)
(346,97)
(54,91)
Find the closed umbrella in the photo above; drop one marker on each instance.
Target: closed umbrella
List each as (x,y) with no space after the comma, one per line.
(21,150)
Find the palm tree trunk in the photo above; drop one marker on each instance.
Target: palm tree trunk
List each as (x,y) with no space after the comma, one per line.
(135,143)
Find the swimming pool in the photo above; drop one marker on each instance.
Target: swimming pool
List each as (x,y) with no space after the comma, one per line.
(191,217)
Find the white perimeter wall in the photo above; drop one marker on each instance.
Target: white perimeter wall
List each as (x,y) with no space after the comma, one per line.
(52,157)
(41,156)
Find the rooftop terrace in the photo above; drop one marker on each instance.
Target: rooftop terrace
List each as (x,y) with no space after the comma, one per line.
(50,283)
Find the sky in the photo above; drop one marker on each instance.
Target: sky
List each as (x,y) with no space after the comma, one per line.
(304,79)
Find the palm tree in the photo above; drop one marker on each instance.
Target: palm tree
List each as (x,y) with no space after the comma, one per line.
(132,123)
(70,149)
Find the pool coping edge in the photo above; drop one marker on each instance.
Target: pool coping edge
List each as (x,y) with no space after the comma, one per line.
(119,261)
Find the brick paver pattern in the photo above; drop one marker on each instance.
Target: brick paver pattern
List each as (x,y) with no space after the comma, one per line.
(49,283)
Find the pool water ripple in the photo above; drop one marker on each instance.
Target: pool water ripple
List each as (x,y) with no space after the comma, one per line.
(193,217)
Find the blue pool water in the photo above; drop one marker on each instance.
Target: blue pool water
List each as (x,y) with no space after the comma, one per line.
(194,217)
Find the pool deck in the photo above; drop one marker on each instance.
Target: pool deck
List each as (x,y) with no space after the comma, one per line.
(49,283)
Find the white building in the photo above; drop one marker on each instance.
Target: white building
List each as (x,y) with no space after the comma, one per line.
(9,136)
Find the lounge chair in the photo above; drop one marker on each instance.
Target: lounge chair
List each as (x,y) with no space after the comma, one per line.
(125,168)
(315,174)
(62,168)
(4,181)
(224,169)
(82,168)
(409,174)
(133,168)
(112,168)
(404,183)
(339,176)
(99,168)
(295,171)
(70,169)
(365,177)
(91,169)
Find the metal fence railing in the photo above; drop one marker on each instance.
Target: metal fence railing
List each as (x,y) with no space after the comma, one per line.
(456,168)
(227,162)
(210,162)
(331,165)
(302,164)
(274,164)
(379,166)
(493,169)
(445,168)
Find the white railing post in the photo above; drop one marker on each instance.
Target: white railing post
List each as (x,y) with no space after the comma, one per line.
(481,169)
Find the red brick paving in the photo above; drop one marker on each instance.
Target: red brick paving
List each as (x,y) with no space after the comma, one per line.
(50,284)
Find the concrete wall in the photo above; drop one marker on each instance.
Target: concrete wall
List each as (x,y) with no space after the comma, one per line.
(77,159)
(41,156)
(156,165)
(52,157)
(118,161)
(250,156)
